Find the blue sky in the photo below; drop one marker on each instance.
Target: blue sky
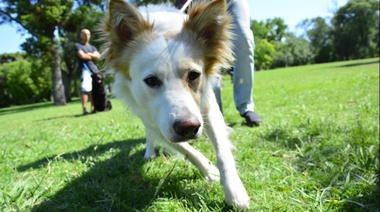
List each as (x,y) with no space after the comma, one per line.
(292,11)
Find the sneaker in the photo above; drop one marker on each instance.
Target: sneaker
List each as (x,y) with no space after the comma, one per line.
(85,113)
(252,119)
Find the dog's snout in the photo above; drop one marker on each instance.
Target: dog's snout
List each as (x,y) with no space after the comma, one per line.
(187,128)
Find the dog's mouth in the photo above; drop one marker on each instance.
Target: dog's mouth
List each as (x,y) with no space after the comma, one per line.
(186,130)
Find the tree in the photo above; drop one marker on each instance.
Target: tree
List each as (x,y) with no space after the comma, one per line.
(299,48)
(356,29)
(319,35)
(273,30)
(41,19)
(277,29)
(264,51)
(146,2)
(268,39)
(293,51)
(23,80)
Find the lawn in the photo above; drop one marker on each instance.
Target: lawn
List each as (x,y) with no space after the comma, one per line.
(316,150)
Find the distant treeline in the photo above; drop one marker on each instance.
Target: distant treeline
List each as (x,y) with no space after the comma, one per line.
(351,33)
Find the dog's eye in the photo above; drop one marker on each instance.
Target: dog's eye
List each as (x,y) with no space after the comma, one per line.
(193,75)
(152,82)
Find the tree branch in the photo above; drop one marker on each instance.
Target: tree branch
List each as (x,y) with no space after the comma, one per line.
(10,19)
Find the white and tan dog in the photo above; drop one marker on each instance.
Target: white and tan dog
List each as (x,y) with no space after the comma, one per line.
(164,63)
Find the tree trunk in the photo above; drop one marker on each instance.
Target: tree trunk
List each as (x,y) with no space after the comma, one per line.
(69,76)
(58,88)
(66,79)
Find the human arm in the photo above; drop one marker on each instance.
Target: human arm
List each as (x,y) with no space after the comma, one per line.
(88,56)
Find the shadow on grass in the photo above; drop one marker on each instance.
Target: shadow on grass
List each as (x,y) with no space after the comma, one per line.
(360,63)
(91,151)
(119,183)
(22,108)
(113,184)
(70,116)
(29,107)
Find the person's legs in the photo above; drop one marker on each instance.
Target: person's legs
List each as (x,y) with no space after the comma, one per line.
(84,102)
(86,84)
(217,91)
(244,61)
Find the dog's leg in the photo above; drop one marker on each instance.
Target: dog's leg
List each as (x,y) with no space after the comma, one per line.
(149,151)
(216,130)
(208,170)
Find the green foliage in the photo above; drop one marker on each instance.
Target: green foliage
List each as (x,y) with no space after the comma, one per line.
(277,29)
(294,51)
(319,34)
(41,19)
(41,76)
(273,30)
(316,150)
(146,2)
(356,30)
(277,48)
(263,54)
(268,36)
(23,82)
(352,34)
(6,58)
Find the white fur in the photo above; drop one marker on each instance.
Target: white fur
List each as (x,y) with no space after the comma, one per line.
(170,61)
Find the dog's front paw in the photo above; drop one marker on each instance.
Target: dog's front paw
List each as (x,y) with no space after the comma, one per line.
(237,196)
(149,154)
(212,174)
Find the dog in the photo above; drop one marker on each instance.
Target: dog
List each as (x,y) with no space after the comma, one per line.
(165,62)
(99,94)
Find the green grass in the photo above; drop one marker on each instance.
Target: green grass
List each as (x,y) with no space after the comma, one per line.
(317,150)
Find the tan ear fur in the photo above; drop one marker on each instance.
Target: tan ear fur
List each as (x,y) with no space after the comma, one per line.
(209,25)
(121,26)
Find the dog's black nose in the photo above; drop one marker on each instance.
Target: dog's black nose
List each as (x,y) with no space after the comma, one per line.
(187,128)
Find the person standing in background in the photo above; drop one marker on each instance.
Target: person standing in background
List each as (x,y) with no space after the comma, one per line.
(87,54)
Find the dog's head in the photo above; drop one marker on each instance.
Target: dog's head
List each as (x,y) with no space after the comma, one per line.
(166,60)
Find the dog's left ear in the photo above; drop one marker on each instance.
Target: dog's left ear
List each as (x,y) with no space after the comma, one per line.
(209,24)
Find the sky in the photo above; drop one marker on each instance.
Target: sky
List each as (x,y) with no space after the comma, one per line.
(292,11)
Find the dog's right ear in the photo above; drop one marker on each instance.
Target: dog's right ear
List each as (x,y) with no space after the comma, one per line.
(122,25)
(209,24)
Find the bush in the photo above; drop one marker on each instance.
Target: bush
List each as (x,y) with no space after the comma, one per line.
(21,84)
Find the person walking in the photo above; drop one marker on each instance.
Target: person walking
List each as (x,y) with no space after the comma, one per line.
(244,68)
(87,54)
